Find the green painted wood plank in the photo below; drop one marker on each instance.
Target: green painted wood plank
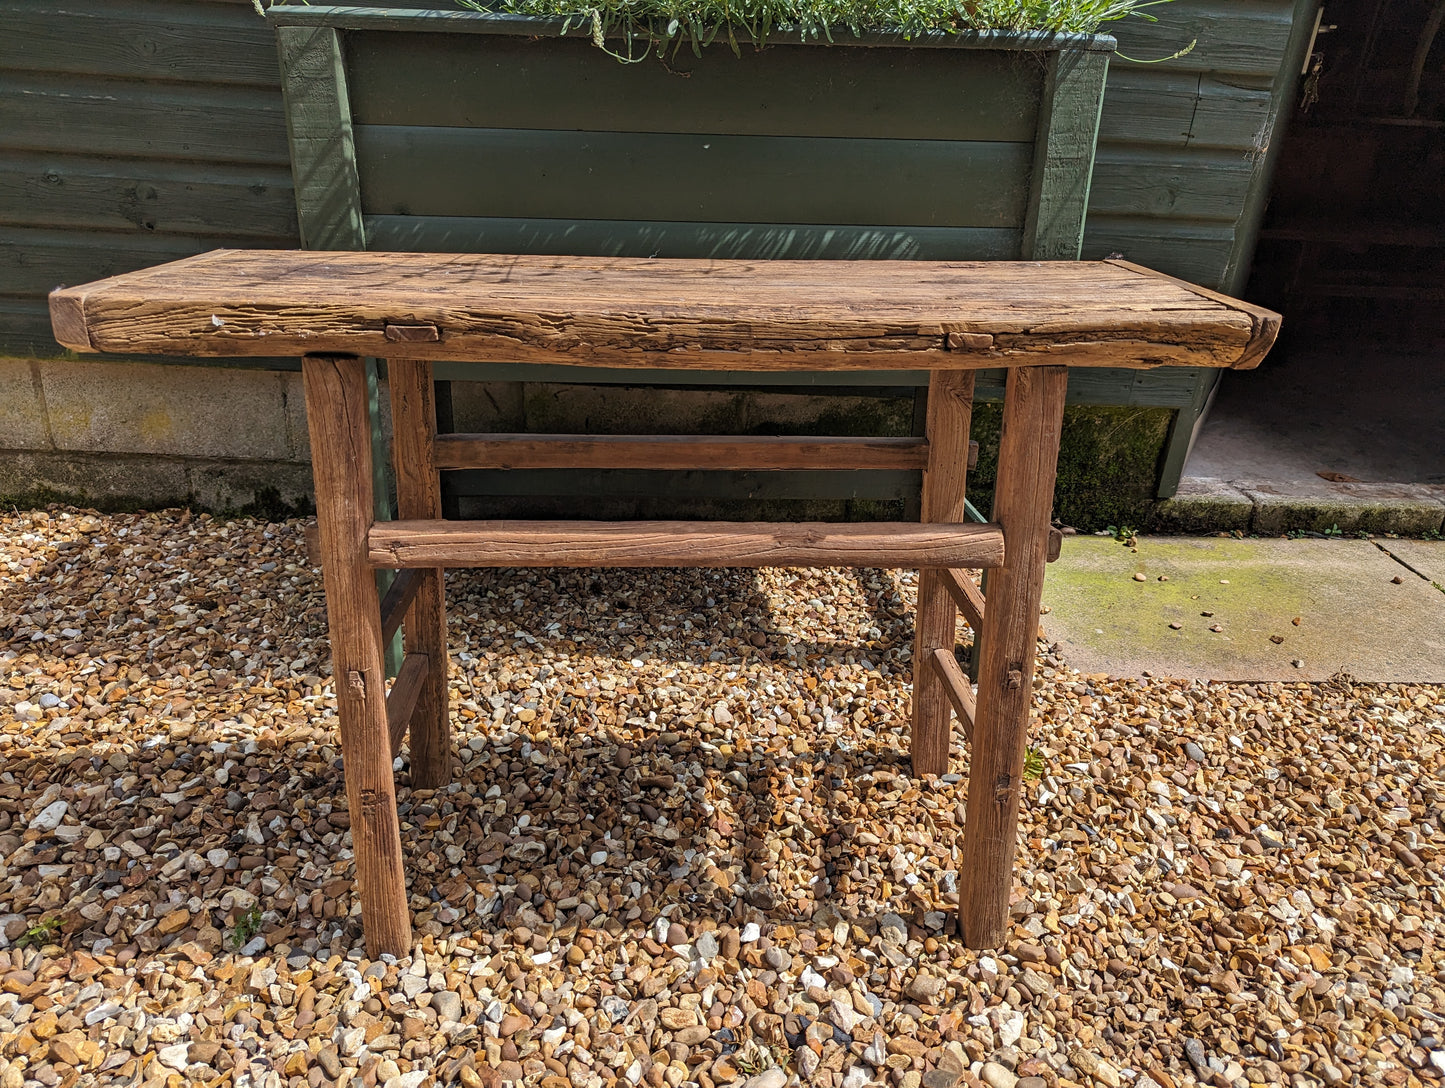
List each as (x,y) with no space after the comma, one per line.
(199,42)
(180,122)
(1179,109)
(33,262)
(1064,154)
(1232,35)
(507,82)
(753,241)
(1145,182)
(428,15)
(318,126)
(527,173)
(1198,252)
(80,192)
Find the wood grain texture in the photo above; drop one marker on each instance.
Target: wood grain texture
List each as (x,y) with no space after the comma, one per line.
(418,496)
(956,686)
(742,453)
(1023,498)
(945,483)
(1266,321)
(1064,156)
(318,126)
(769,315)
(401,700)
(339,423)
(682,544)
(966,596)
(396,600)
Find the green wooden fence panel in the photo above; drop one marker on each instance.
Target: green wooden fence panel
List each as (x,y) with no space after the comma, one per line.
(646,176)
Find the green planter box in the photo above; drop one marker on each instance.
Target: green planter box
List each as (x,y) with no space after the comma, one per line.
(440,129)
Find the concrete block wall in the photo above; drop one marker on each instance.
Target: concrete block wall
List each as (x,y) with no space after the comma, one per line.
(126,435)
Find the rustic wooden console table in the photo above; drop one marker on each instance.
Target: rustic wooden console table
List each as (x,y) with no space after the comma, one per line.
(334,309)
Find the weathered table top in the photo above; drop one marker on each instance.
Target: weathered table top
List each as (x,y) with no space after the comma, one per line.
(688,314)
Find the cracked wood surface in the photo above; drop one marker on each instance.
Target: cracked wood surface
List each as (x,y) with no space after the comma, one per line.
(687,314)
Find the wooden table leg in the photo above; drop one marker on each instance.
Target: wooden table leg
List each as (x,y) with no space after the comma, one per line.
(418,497)
(1023,500)
(950,412)
(339,421)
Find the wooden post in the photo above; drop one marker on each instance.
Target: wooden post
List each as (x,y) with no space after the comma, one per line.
(1023,499)
(950,411)
(418,497)
(338,417)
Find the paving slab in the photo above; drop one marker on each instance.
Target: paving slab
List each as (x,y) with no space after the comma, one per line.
(1425,557)
(1351,613)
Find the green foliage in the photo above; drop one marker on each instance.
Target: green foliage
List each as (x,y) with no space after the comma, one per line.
(641,28)
(40,934)
(247,926)
(1033,764)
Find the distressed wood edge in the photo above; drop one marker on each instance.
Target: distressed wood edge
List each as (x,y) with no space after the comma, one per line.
(67,319)
(401,700)
(967,596)
(955,686)
(398,598)
(1265,323)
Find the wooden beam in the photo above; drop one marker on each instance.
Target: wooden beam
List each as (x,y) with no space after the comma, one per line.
(674,314)
(397,600)
(1023,497)
(338,419)
(956,686)
(401,700)
(944,501)
(967,596)
(682,544)
(743,453)
(418,496)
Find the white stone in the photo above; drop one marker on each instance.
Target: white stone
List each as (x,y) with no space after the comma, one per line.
(751,932)
(174,1056)
(599,857)
(856,1077)
(772,1077)
(50,816)
(1010,1028)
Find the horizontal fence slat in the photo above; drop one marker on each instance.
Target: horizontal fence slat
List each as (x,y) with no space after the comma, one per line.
(1158,184)
(1180,109)
(498,81)
(751,241)
(34,261)
(195,123)
(144,39)
(52,189)
(685,452)
(658,176)
(1246,36)
(1197,252)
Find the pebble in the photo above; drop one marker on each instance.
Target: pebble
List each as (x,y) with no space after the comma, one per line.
(634,857)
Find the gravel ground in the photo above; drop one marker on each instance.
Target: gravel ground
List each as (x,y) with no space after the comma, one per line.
(683,846)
